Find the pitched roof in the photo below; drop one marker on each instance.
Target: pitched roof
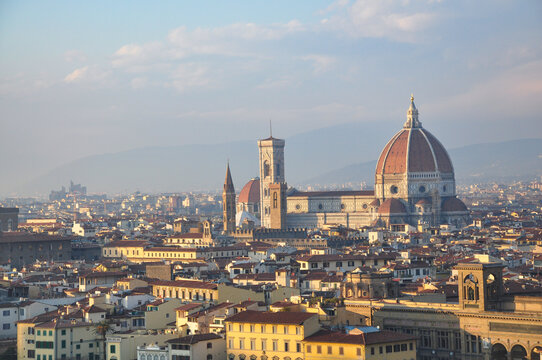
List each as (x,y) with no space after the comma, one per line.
(361,339)
(193,339)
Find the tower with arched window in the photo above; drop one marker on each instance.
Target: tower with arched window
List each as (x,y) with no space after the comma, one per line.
(271,153)
(480,286)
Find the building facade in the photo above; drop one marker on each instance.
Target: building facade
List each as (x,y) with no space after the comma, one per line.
(414,183)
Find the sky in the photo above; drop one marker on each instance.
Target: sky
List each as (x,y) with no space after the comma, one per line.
(81,78)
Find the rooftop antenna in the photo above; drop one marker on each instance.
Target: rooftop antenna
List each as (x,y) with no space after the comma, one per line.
(270,129)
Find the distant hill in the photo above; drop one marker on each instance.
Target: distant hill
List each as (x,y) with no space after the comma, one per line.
(503,161)
(350,149)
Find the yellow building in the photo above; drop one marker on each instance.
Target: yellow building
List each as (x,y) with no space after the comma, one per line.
(270,335)
(186,290)
(67,339)
(358,345)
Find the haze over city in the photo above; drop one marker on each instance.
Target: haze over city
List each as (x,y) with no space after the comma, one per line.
(80,79)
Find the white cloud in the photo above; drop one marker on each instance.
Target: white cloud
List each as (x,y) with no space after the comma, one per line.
(76,75)
(91,74)
(398,20)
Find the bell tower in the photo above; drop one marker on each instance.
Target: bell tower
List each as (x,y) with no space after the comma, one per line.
(480,286)
(228,203)
(271,153)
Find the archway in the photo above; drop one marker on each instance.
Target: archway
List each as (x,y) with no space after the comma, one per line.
(498,352)
(518,352)
(536,353)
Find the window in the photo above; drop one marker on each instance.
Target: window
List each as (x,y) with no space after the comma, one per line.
(341,350)
(262,328)
(6,326)
(230,344)
(329,350)
(274,329)
(112,349)
(21,312)
(339,264)
(318,349)
(209,345)
(275,345)
(50,332)
(442,340)
(286,329)
(389,349)
(425,336)
(298,347)
(63,332)
(264,345)
(251,328)
(241,343)
(396,348)
(411,346)
(350,263)
(380,350)
(230,327)
(252,344)
(286,346)
(403,347)
(5,313)
(297,330)
(63,344)
(209,357)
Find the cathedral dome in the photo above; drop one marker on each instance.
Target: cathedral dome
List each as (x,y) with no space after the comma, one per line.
(392,206)
(413,150)
(250,192)
(452,204)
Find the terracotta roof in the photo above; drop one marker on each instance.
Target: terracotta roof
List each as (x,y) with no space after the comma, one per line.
(361,339)
(413,150)
(392,206)
(187,236)
(292,318)
(193,339)
(250,192)
(332,193)
(453,204)
(127,243)
(423,201)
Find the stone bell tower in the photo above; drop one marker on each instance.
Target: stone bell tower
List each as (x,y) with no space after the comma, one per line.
(271,151)
(480,286)
(228,203)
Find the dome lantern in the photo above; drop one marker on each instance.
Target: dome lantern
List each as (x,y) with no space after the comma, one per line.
(412,116)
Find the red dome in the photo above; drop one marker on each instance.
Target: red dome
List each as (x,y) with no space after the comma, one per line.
(250,192)
(392,206)
(413,150)
(452,204)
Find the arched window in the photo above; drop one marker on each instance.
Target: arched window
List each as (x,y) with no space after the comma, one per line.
(265,169)
(275,200)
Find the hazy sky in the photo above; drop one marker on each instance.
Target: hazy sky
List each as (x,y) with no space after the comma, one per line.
(80,78)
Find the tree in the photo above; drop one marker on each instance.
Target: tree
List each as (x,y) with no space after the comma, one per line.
(102,329)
